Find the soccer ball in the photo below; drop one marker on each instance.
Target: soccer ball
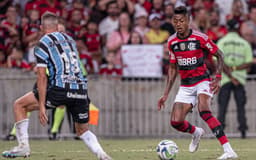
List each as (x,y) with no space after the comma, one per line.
(167,150)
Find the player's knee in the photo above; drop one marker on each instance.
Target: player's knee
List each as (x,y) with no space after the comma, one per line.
(81,128)
(17,105)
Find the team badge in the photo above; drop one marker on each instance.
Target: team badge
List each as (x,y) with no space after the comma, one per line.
(182,46)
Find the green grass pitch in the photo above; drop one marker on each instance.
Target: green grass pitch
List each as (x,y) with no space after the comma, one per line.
(132,149)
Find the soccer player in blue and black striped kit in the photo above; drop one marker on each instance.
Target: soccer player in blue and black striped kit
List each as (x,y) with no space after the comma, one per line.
(65,85)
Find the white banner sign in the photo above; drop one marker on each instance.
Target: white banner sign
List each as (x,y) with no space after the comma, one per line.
(142,60)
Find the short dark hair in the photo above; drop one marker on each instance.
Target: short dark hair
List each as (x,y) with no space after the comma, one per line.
(181,10)
(110,2)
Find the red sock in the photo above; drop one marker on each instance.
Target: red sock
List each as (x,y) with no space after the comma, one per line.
(183,126)
(215,126)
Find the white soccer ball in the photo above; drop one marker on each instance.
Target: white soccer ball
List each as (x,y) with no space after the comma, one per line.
(167,150)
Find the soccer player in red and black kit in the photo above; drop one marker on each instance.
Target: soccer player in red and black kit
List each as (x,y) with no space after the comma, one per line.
(187,48)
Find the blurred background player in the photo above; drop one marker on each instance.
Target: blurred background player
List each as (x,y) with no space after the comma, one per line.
(186,56)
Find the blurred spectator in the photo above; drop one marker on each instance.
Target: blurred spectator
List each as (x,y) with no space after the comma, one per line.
(91,38)
(126,6)
(225,8)
(110,68)
(141,20)
(135,38)
(143,4)
(15,59)
(196,4)
(31,5)
(49,5)
(32,28)
(3,63)
(120,36)
(158,8)
(75,24)
(156,35)
(201,20)
(215,30)
(237,59)
(9,29)
(237,12)
(4,5)
(98,12)
(110,23)
(92,41)
(167,23)
(248,32)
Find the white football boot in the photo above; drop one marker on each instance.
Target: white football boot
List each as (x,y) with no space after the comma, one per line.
(18,151)
(103,156)
(228,155)
(196,139)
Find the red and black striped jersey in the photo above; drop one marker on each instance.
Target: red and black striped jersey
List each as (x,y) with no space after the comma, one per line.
(188,54)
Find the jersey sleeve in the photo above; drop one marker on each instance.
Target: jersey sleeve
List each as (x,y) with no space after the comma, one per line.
(172,57)
(171,54)
(209,45)
(42,55)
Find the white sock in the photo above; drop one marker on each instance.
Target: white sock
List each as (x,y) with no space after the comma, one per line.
(22,131)
(197,131)
(227,147)
(91,141)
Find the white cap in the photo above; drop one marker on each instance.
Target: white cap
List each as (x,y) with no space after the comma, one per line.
(154,16)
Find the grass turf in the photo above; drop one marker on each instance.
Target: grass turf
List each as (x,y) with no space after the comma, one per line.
(131,149)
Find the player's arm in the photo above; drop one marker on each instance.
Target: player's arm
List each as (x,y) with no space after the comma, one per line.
(41,85)
(215,85)
(172,74)
(42,55)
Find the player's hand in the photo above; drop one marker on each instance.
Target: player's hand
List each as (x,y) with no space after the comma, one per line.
(161,102)
(42,116)
(215,85)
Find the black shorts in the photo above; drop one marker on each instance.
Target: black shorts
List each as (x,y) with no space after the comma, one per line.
(76,101)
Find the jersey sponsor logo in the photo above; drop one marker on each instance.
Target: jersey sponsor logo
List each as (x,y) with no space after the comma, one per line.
(192,46)
(49,104)
(187,61)
(76,96)
(176,47)
(83,115)
(182,46)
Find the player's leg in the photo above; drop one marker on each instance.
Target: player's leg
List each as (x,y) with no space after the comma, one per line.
(184,101)
(91,141)
(240,98)
(204,102)
(22,106)
(178,122)
(223,100)
(80,115)
(12,135)
(57,120)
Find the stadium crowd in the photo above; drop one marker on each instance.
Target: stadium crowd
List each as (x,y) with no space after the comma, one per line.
(101,27)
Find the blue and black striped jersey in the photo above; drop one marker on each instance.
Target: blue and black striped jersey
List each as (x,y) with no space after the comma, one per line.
(57,51)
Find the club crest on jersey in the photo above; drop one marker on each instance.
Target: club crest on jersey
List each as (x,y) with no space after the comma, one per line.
(182,46)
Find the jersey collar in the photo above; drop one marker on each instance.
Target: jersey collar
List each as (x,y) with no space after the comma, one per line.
(190,32)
